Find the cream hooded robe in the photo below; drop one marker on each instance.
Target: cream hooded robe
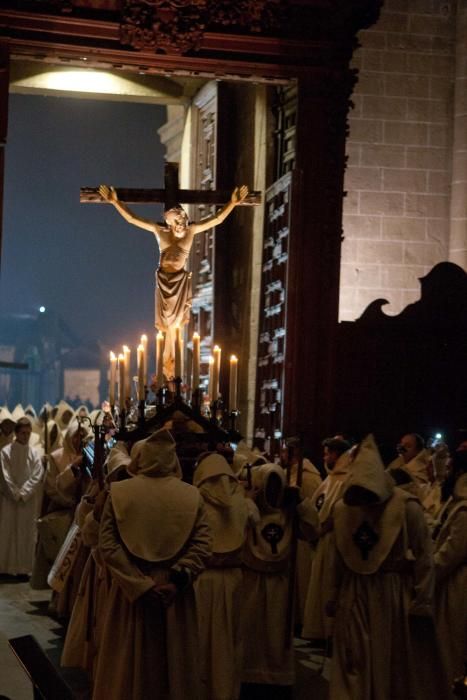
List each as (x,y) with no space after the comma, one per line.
(451,581)
(383,576)
(21,487)
(153,526)
(218,589)
(316,625)
(268,654)
(85,628)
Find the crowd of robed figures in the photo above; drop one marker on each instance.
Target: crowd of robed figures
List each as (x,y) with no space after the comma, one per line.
(163,571)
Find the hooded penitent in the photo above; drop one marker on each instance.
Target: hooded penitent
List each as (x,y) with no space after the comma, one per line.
(117,459)
(155,501)
(366,533)
(268,543)
(225,502)
(243,455)
(64,415)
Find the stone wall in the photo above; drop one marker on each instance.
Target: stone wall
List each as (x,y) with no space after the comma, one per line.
(398,179)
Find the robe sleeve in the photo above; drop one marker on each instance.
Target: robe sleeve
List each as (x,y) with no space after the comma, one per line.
(34,482)
(51,475)
(309,520)
(420,543)
(131,580)
(453,551)
(8,486)
(198,550)
(67,484)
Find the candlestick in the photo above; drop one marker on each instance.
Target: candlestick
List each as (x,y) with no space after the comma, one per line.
(196,360)
(121,381)
(233,383)
(216,372)
(144,343)
(178,352)
(141,377)
(127,356)
(160,359)
(112,377)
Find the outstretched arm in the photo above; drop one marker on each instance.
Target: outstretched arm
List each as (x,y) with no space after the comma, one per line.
(238,195)
(110,195)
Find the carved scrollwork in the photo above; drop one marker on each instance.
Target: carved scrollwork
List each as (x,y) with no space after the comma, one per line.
(177,26)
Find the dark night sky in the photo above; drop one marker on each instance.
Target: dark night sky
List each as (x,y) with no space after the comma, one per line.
(82,261)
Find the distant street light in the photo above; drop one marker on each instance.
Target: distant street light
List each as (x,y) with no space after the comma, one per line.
(41,309)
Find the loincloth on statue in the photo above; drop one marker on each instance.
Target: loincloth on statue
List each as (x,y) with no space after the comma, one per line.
(173,298)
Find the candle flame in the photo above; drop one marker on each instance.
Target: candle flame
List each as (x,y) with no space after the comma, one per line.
(233,358)
(211,360)
(126,348)
(112,355)
(144,338)
(217,348)
(121,357)
(140,348)
(195,335)
(160,334)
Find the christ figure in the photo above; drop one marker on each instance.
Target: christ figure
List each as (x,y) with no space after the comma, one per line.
(173,280)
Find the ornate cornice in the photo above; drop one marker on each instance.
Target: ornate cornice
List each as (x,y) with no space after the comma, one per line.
(178,26)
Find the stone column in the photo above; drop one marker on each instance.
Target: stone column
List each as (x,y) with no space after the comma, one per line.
(458,222)
(4,81)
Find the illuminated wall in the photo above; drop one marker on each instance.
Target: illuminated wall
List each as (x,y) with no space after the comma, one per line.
(397,212)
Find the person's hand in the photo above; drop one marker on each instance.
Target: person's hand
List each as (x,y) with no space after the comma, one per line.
(165,593)
(239,194)
(108,193)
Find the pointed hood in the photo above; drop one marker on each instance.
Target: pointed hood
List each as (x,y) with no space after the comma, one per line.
(155,456)
(64,415)
(417,467)
(244,455)
(18,412)
(270,480)
(117,460)
(368,471)
(215,480)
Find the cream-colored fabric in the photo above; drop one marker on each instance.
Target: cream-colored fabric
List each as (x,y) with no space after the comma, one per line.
(142,644)
(21,487)
(145,505)
(53,439)
(225,503)
(117,459)
(368,471)
(374,651)
(316,625)
(267,657)
(17,412)
(155,456)
(64,415)
(219,589)
(450,559)
(155,500)
(245,455)
(383,522)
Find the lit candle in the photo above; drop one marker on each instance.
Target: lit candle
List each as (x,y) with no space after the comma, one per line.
(127,356)
(233,383)
(112,377)
(121,380)
(216,372)
(141,376)
(144,343)
(178,352)
(196,359)
(211,377)
(160,359)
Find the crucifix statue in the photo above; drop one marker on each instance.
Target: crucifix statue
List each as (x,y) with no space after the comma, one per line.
(175,238)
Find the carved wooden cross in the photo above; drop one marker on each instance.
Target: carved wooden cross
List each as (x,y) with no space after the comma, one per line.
(171,195)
